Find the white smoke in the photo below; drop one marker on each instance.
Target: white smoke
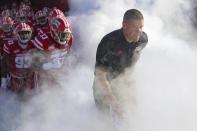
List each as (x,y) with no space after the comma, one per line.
(165,76)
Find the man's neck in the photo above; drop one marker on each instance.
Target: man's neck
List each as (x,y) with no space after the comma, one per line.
(22,45)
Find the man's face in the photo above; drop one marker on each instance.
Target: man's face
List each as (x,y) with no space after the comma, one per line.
(24,36)
(22,19)
(132,30)
(42,20)
(64,36)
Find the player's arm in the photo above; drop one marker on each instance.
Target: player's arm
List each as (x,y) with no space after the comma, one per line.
(101,68)
(107,91)
(103,65)
(39,57)
(102,77)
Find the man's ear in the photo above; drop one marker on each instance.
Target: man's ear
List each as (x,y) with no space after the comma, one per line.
(123,24)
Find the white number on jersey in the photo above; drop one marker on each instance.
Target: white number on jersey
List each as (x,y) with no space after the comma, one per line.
(10,42)
(43,36)
(57,60)
(23,61)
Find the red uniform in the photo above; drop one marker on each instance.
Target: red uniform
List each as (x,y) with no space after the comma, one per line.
(56,54)
(1,30)
(4,37)
(41,29)
(56,51)
(56,46)
(20,62)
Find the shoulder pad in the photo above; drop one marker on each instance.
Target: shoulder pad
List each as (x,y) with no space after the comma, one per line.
(41,41)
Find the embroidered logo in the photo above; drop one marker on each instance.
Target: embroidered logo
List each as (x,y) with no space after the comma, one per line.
(119,52)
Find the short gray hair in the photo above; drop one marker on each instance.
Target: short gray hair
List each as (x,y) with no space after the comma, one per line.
(132,14)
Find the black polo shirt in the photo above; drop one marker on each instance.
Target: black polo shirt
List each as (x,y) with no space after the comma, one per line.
(114,53)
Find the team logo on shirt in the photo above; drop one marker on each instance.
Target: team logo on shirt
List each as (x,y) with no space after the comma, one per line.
(119,52)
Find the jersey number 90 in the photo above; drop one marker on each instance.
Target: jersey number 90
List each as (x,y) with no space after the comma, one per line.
(23,61)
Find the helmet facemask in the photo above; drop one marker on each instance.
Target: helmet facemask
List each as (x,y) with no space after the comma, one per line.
(24,36)
(61,37)
(42,20)
(23,19)
(64,37)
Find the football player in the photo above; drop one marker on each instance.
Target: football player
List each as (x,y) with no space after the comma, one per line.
(17,60)
(55,46)
(46,10)
(6,26)
(42,23)
(6,35)
(28,11)
(21,17)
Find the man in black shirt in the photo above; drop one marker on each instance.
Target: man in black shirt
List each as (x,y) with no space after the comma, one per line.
(117,51)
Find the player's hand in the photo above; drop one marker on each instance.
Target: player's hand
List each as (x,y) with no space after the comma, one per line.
(3,83)
(117,109)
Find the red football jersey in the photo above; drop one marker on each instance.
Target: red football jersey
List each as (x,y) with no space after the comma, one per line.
(21,58)
(1,30)
(4,37)
(41,29)
(57,52)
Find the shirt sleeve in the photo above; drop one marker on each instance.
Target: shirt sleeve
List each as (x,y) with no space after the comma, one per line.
(102,59)
(6,48)
(37,43)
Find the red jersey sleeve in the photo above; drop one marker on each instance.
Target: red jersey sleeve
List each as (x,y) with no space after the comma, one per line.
(7,47)
(41,41)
